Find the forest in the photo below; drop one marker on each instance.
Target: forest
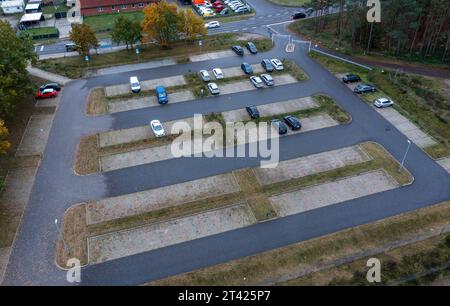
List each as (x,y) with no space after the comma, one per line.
(418,29)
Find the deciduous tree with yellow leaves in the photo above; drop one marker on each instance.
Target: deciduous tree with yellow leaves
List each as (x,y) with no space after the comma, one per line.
(191,26)
(4,144)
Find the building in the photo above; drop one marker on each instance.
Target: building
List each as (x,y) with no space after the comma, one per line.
(13,7)
(98,7)
(31,8)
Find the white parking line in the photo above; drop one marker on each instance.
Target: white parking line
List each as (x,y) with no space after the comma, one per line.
(42,48)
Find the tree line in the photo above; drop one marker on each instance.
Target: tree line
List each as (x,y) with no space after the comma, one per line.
(163,24)
(408,27)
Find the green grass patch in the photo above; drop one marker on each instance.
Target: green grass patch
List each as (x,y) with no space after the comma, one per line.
(41,31)
(294,3)
(50,9)
(105,22)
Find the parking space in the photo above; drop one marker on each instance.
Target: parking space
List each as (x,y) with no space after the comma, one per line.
(405,126)
(123,89)
(246,85)
(154,236)
(333,192)
(211,56)
(311,164)
(35,136)
(160,198)
(148,101)
(118,137)
(272,109)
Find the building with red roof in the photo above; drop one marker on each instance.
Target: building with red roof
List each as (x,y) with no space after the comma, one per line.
(98,7)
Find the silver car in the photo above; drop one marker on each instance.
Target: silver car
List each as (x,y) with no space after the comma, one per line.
(256,81)
(267,79)
(213,88)
(383,102)
(205,75)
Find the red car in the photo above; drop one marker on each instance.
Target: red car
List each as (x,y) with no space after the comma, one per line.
(219,8)
(46,93)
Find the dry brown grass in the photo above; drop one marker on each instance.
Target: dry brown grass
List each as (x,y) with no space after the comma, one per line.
(97,103)
(75,235)
(86,160)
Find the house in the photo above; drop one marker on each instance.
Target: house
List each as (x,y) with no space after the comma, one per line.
(13,7)
(32,19)
(98,7)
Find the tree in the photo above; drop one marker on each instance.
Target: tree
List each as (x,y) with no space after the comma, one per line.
(83,37)
(161,23)
(15,83)
(191,25)
(126,30)
(4,144)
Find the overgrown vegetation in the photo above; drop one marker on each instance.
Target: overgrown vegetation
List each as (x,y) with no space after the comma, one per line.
(411,29)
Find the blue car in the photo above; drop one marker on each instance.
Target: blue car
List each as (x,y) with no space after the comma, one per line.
(247,68)
(161,95)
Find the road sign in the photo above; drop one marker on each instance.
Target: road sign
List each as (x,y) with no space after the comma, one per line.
(138,51)
(86,58)
(200,43)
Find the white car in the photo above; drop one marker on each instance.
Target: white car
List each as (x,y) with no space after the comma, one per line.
(212,24)
(218,74)
(157,128)
(277,64)
(134,84)
(383,102)
(213,88)
(257,81)
(205,75)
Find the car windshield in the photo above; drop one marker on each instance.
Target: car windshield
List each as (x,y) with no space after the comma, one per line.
(157,127)
(135,84)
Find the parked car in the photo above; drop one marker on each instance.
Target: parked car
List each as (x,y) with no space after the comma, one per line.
(46,93)
(70,47)
(299,15)
(267,79)
(279,126)
(277,64)
(349,78)
(293,122)
(247,68)
(225,11)
(252,111)
(267,65)
(54,86)
(213,88)
(383,102)
(134,84)
(205,75)
(161,95)
(157,128)
(212,24)
(252,48)
(238,50)
(218,74)
(363,88)
(256,81)
(309,11)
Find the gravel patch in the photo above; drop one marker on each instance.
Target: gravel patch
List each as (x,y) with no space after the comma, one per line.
(333,192)
(311,164)
(154,236)
(405,126)
(159,198)
(124,89)
(35,136)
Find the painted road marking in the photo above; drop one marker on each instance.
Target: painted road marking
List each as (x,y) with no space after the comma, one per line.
(42,48)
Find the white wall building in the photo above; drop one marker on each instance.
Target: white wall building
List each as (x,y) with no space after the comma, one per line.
(13,6)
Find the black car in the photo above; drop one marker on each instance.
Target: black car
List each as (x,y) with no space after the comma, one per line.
(298,16)
(238,50)
(280,126)
(293,122)
(267,65)
(252,111)
(252,48)
(70,47)
(54,86)
(350,78)
(363,88)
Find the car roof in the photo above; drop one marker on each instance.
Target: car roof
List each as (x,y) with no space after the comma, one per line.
(160,88)
(48,90)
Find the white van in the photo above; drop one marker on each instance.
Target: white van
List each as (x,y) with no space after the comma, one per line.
(134,83)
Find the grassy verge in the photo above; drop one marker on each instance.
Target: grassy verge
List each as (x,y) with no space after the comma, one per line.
(75,67)
(105,22)
(97,102)
(419,99)
(278,265)
(293,3)
(251,192)
(51,9)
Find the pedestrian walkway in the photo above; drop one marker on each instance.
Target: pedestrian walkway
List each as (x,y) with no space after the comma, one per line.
(48,75)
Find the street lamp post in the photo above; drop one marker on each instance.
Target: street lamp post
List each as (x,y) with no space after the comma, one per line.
(62,236)
(404,157)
